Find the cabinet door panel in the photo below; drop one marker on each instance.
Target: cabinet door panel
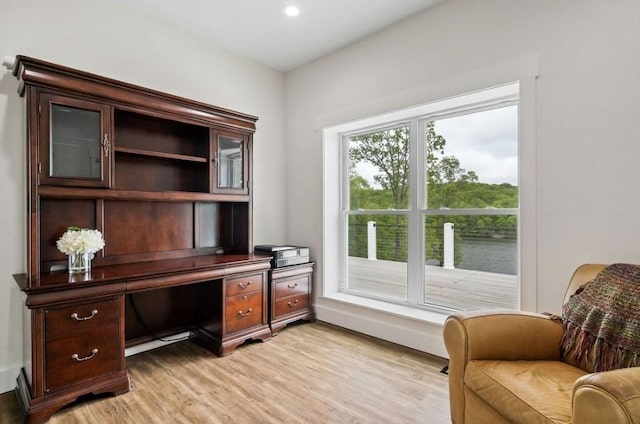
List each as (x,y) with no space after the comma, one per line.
(231,160)
(75,138)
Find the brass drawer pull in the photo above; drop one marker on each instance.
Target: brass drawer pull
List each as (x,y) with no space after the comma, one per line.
(105,144)
(292,304)
(77,318)
(292,287)
(244,314)
(86,358)
(244,286)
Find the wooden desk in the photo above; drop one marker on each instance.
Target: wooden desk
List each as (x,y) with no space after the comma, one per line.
(80,324)
(168,182)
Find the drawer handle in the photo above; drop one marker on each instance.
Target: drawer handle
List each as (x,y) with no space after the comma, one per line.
(292,304)
(292,287)
(77,318)
(105,145)
(244,314)
(86,358)
(244,286)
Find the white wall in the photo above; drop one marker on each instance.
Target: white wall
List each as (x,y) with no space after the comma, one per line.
(587,127)
(108,39)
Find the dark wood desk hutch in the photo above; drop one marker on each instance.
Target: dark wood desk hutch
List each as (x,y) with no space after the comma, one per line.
(168,183)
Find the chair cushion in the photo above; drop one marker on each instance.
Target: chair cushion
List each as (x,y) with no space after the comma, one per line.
(525,391)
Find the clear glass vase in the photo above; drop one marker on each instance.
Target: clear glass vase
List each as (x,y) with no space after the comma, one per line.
(80,263)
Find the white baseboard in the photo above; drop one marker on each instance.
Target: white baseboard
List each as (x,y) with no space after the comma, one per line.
(422,336)
(8,379)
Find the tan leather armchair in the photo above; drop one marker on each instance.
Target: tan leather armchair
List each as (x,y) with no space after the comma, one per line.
(505,367)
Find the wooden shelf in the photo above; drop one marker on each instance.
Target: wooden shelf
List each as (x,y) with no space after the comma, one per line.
(161,155)
(160,196)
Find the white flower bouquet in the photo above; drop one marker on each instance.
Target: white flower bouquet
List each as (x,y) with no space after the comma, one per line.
(80,244)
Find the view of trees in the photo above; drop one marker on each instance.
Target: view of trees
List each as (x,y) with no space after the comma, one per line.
(449,186)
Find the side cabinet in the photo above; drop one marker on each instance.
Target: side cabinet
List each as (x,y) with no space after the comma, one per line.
(82,352)
(290,290)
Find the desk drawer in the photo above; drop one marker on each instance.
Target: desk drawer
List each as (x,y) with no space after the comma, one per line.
(297,286)
(291,304)
(243,311)
(243,285)
(79,318)
(81,357)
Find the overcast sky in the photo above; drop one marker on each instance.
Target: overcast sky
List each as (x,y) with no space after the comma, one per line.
(484,142)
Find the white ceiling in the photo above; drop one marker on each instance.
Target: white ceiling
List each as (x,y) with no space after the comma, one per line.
(259,30)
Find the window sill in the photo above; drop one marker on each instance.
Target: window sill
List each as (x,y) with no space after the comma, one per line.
(403,311)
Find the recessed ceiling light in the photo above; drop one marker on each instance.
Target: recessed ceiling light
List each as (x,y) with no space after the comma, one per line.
(291,11)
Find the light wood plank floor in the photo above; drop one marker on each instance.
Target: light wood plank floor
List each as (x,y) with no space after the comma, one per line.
(309,373)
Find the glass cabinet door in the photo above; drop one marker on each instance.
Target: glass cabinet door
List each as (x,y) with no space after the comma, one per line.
(75,142)
(230,159)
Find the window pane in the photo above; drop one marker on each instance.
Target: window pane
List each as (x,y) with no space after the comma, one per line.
(379,170)
(230,166)
(471,261)
(377,261)
(75,142)
(472,160)
(472,163)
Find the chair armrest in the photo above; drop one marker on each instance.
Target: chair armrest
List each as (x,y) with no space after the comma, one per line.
(502,335)
(508,335)
(612,396)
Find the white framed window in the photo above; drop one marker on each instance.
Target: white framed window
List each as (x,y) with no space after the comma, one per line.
(429,210)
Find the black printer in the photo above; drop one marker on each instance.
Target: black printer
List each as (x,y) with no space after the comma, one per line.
(284,255)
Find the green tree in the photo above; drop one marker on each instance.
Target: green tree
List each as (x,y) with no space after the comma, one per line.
(388,151)
(442,171)
(360,192)
(434,151)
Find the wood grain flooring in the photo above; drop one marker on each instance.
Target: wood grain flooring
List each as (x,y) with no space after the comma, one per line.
(309,373)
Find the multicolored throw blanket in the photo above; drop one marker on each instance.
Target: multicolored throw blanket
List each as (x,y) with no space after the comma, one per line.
(604,316)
